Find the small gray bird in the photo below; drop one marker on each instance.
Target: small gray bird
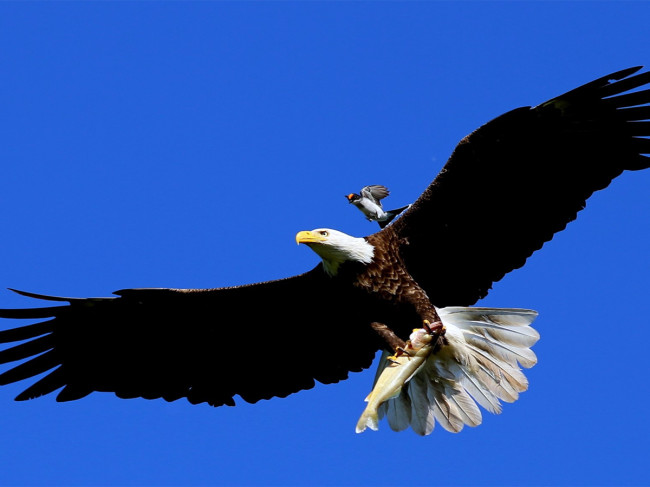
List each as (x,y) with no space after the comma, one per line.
(369,202)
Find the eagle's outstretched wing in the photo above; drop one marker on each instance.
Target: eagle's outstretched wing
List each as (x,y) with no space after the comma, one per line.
(517,180)
(256,341)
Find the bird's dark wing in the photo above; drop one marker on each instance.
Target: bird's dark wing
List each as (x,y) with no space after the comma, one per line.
(255,341)
(514,182)
(375,192)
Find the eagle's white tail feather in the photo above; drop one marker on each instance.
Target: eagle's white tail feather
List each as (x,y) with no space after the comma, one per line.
(479,390)
(491,374)
(513,375)
(422,418)
(525,356)
(399,412)
(469,411)
(505,325)
(435,400)
(445,410)
(480,363)
(509,380)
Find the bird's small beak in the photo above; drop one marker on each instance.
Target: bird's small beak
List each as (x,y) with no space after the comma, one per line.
(307,237)
(349,197)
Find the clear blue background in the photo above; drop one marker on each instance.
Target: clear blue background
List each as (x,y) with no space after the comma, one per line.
(183,144)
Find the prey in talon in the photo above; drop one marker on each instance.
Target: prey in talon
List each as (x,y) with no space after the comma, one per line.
(398,370)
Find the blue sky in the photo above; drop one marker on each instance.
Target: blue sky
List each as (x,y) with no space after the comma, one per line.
(183,144)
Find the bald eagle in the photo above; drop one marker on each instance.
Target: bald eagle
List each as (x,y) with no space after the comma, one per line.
(507,188)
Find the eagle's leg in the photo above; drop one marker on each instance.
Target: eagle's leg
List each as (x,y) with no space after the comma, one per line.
(438,332)
(393,341)
(438,329)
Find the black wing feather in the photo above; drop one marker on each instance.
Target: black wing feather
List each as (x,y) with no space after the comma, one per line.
(256,341)
(509,186)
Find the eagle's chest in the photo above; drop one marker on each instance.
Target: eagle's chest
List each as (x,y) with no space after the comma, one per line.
(386,284)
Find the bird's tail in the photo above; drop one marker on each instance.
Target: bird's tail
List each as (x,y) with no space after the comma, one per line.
(479,364)
(391,214)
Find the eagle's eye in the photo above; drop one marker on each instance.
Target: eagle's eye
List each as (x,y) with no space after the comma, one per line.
(324,233)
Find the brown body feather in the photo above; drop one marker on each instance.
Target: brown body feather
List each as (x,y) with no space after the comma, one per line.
(389,278)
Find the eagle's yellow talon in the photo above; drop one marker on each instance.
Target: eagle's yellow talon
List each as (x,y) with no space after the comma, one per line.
(402,351)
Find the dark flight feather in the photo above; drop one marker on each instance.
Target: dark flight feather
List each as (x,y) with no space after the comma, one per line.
(509,186)
(174,343)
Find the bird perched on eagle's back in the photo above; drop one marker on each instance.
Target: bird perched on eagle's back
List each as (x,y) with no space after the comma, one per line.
(369,202)
(505,190)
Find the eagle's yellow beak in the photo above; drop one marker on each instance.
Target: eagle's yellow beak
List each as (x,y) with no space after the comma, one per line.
(309,237)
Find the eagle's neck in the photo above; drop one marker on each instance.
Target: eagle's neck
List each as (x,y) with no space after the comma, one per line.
(352,249)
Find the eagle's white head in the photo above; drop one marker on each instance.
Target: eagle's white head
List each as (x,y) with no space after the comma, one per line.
(336,247)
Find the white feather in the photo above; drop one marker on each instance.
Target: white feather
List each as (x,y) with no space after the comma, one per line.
(440,395)
(469,411)
(398,412)
(511,354)
(479,364)
(477,389)
(422,420)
